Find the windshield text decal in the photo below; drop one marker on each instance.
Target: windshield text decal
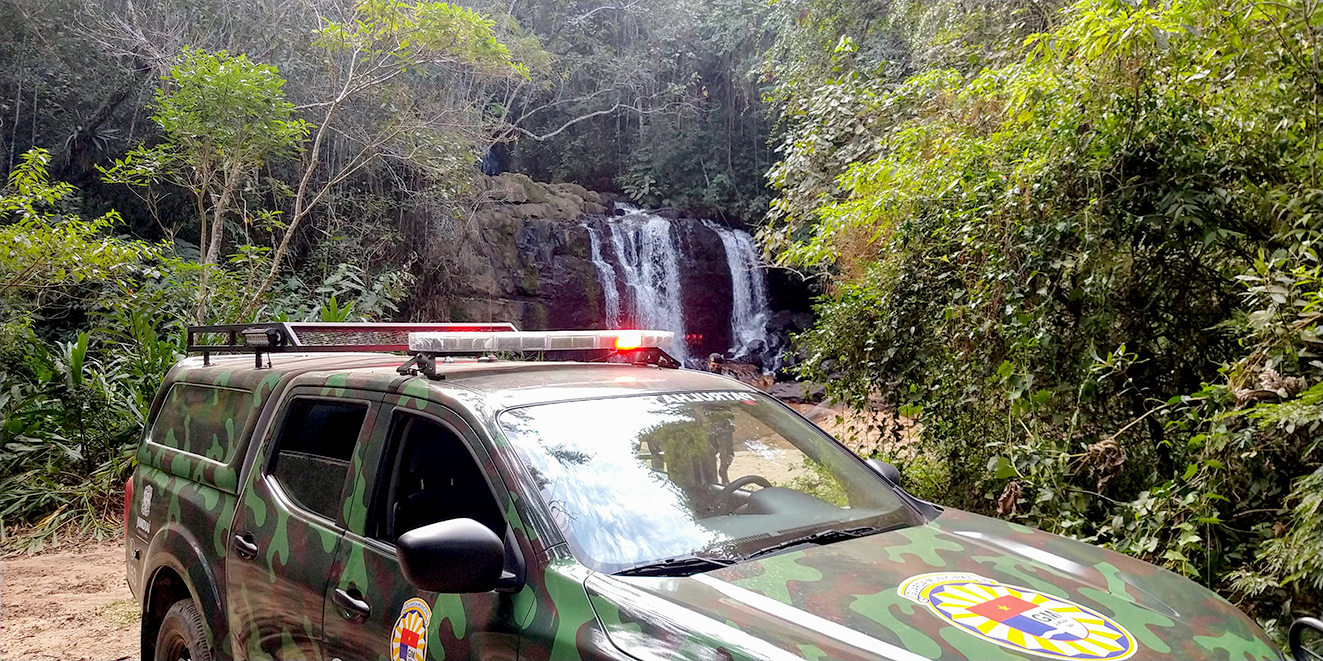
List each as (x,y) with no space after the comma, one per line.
(716,396)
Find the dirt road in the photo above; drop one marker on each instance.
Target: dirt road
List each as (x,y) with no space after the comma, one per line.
(67,604)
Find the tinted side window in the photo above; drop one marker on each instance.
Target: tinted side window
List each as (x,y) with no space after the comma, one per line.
(433,477)
(203,420)
(314,449)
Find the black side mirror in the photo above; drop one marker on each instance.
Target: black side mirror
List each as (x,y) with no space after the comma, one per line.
(892,475)
(1302,649)
(455,556)
(887,471)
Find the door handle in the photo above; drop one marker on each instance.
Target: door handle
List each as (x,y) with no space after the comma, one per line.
(244,547)
(351,603)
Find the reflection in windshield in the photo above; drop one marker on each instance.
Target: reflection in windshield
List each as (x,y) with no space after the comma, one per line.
(616,517)
(633,480)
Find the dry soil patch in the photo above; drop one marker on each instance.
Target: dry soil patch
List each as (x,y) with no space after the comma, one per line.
(68,603)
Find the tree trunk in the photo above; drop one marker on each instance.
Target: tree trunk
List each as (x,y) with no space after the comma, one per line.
(216,237)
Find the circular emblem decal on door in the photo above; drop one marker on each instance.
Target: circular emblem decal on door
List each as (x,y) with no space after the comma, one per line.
(408,642)
(1018,618)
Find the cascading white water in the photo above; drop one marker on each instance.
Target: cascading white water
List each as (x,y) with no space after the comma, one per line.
(622,240)
(661,278)
(646,252)
(606,275)
(749,312)
(646,248)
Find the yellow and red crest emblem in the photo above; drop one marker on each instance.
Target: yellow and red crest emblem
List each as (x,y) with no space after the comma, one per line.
(408,641)
(1019,618)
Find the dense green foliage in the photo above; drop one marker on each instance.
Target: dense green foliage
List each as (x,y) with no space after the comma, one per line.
(70,408)
(1087,267)
(655,99)
(89,323)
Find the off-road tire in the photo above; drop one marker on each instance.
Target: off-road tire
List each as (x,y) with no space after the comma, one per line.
(182,635)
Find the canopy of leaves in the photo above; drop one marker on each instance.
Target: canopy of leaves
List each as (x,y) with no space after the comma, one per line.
(416,34)
(215,106)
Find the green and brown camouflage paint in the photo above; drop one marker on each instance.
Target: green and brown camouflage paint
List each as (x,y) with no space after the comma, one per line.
(187,525)
(851,586)
(838,601)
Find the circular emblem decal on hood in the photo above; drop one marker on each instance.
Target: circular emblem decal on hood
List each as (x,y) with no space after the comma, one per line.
(1019,618)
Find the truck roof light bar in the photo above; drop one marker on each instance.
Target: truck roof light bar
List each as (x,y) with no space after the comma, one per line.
(533,341)
(307,337)
(641,347)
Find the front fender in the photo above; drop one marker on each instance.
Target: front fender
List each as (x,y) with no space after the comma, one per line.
(175,548)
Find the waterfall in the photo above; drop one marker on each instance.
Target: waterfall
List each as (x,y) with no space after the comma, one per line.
(622,240)
(645,246)
(644,254)
(607,276)
(748,314)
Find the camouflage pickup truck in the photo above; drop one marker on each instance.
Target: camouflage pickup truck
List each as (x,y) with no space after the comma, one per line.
(318,497)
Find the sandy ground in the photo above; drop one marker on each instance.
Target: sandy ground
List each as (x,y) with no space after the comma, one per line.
(68,603)
(760,451)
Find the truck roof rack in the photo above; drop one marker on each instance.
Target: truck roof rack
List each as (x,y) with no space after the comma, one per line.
(301,337)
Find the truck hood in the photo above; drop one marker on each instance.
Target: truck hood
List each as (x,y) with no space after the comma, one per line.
(961,587)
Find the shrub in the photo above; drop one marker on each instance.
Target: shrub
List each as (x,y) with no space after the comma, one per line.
(1089,274)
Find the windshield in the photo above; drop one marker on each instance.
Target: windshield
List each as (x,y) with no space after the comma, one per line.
(635,480)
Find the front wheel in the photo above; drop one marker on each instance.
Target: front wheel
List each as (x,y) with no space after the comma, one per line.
(182,635)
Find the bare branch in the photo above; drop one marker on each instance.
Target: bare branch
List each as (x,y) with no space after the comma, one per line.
(598,113)
(553,104)
(585,17)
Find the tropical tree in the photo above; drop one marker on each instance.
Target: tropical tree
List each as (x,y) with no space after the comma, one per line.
(370,54)
(223,117)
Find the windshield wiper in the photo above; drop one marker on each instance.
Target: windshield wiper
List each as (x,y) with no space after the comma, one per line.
(820,537)
(682,566)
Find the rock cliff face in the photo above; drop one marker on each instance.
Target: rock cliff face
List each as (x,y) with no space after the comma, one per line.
(529,264)
(515,196)
(532,263)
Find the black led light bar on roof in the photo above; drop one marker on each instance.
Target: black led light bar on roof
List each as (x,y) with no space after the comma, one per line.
(304,337)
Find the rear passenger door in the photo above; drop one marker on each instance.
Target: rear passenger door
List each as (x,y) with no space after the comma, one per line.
(430,468)
(289,523)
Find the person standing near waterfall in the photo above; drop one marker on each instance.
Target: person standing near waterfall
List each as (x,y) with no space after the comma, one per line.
(722,427)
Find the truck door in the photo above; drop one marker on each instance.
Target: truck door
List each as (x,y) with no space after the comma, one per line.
(288,524)
(430,470)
